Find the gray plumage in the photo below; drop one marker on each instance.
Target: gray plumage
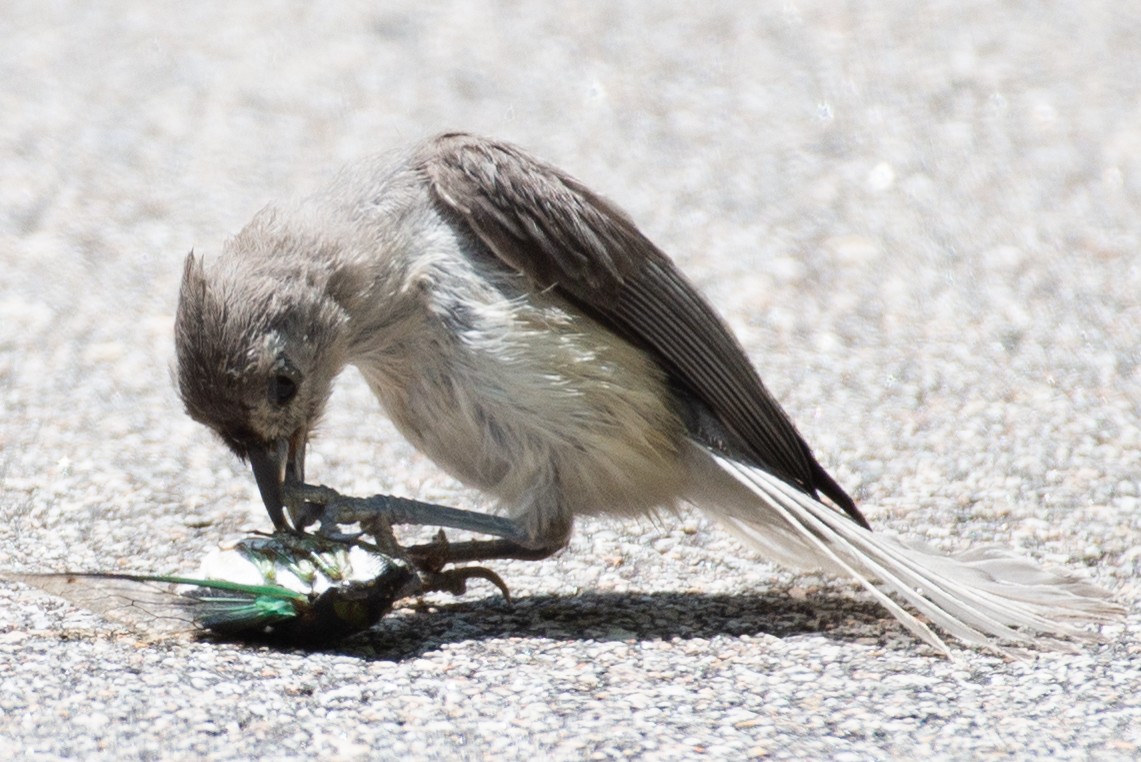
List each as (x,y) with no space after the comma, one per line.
(520,331)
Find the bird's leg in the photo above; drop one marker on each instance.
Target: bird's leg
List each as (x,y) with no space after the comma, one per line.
(428,555)
(308,503)
(454,581)
(381,531)
(433,556)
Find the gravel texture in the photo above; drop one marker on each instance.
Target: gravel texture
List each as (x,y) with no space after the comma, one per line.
(923,224)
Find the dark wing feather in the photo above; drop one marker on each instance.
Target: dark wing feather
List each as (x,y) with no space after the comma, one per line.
(560,234)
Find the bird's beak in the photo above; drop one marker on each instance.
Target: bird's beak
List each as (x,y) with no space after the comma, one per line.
(274,464)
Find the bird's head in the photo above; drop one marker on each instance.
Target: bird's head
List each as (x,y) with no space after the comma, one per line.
(256,351)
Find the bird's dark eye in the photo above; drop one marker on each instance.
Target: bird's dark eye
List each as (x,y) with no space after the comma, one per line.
(282,389)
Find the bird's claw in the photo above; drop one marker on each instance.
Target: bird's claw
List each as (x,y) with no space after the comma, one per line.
(454,581)
(430,562)
(310,504)
(432,557)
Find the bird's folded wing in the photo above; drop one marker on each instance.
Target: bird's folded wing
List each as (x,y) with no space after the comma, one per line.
(548,226)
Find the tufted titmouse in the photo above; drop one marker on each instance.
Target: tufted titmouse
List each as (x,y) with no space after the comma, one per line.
(520,331)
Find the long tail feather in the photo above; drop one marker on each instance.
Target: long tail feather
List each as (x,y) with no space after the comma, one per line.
(986,596)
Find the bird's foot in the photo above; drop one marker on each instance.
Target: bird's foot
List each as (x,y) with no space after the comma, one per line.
(455,581)
(435,554)
(308,504)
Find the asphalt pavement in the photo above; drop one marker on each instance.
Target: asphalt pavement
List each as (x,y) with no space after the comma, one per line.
(923,223)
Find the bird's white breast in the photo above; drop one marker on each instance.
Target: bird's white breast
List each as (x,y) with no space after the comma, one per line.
(518,393)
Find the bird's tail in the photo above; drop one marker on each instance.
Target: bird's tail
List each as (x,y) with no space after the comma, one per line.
(985,597)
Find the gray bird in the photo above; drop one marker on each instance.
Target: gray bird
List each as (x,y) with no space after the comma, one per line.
(521,332)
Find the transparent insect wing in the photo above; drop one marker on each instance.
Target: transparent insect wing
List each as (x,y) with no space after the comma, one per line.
(153,605)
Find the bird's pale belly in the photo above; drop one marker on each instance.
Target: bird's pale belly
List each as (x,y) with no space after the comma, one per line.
(544,409)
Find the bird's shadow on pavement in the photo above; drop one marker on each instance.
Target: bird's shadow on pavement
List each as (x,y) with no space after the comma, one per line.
(424,628)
